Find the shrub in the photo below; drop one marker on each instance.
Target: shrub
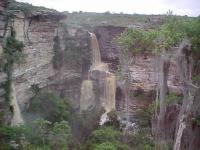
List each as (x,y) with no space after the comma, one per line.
(106,138)
(58,56)
(12,53)
(48,106)
(173,98)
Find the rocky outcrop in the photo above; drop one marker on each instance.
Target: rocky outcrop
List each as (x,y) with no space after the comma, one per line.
(38,68)
(37,35)
(144,74)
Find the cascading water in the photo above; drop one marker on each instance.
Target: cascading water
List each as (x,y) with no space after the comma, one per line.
(87,94)
(96,56)
(109,97)
(109,93)
(17,117)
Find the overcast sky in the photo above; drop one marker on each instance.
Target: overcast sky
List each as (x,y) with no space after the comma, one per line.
(179,7)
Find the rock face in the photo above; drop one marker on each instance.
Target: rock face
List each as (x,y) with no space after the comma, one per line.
(143,70)
(38,68)
(38,40)
(37,31)
(109,50)
(2,22)
(144,74)
(5,115)
(191,134)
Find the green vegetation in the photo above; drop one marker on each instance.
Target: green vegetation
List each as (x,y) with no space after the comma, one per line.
(173,98)
(153,107)
(58,109)
(83,124)
(122,20)
(138,40)
(42,135)
(196,79)
(12,53)
(54,125)
(197,119)
(106,138)
(113,120)
(167,36)
(161,42)
(192,29)
(26,8)
(35,89)
(58,56)
(142,140)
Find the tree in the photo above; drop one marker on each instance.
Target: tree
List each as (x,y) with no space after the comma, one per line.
(42,129)
(106,138)
(113,120)
(58,108)
(60,136)
(105,146)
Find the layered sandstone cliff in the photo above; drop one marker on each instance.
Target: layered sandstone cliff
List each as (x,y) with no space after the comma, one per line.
(37,31)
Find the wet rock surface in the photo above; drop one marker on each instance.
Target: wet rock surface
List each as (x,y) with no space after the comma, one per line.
(109,49)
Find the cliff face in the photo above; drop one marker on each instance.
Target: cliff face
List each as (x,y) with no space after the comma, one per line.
(2,22)
(191,134)
(37,31)
(37,35)
(4,111)
(109,50)
(38,67)
(144,79)
(143,71)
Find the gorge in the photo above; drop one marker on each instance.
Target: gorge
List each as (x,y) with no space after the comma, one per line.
(92,71)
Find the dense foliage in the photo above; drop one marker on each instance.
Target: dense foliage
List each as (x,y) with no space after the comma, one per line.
(60,127)
(167,36)
(42,135)
(106,138)
(138,40)
(58,108)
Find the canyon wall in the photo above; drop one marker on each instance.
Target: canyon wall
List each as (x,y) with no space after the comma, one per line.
(38,31)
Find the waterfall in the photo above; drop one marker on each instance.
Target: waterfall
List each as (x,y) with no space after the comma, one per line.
(17,117)
(96,56)
(109,93)
(87,95)
(87,98)
(109,97)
